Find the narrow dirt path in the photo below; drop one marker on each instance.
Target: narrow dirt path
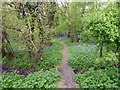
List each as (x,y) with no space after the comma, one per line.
(67,80)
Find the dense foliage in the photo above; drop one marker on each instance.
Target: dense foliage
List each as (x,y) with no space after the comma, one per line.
(103,78)
(41,79)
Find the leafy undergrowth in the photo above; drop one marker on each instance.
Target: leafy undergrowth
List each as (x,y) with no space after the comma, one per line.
(85,55)
(103,78)
(41,79)
(24,72)
(50,59)
(52,56)
(91,71)
(82,56)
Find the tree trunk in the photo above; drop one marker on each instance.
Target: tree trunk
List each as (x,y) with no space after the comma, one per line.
(101,48)
(72,39)
(30,42)
(118,51)
(31,51)
(40,52)
(50,20)
(42,42)
(6,47)
(51,14)
(31,37)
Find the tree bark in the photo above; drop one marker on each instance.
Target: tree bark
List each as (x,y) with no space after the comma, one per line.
(6,46)
(42,42)
(101,48)
(31,36)
(40,52)
(51,20)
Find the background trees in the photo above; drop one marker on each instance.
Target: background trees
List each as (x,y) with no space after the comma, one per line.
(104,26)
(92,21)
(37,22)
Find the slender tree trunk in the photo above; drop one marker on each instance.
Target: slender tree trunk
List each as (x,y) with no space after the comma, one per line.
(51,20)
(40,52)
(118,51)
(31,51)
(6,47)
(32,28)
(30,42)
(31,37)
(101,48)
(72,39)
(42,42)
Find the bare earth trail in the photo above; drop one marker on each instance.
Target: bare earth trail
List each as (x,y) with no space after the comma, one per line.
(67,80)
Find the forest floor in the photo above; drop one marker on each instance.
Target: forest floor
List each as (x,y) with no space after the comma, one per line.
(67,80)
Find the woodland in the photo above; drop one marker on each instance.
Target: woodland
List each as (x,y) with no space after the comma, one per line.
(60,45)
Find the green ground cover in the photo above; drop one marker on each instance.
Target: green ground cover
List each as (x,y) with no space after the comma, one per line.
(47,75)
(91,70)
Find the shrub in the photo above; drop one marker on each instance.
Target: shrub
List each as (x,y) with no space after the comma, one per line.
(109,59)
